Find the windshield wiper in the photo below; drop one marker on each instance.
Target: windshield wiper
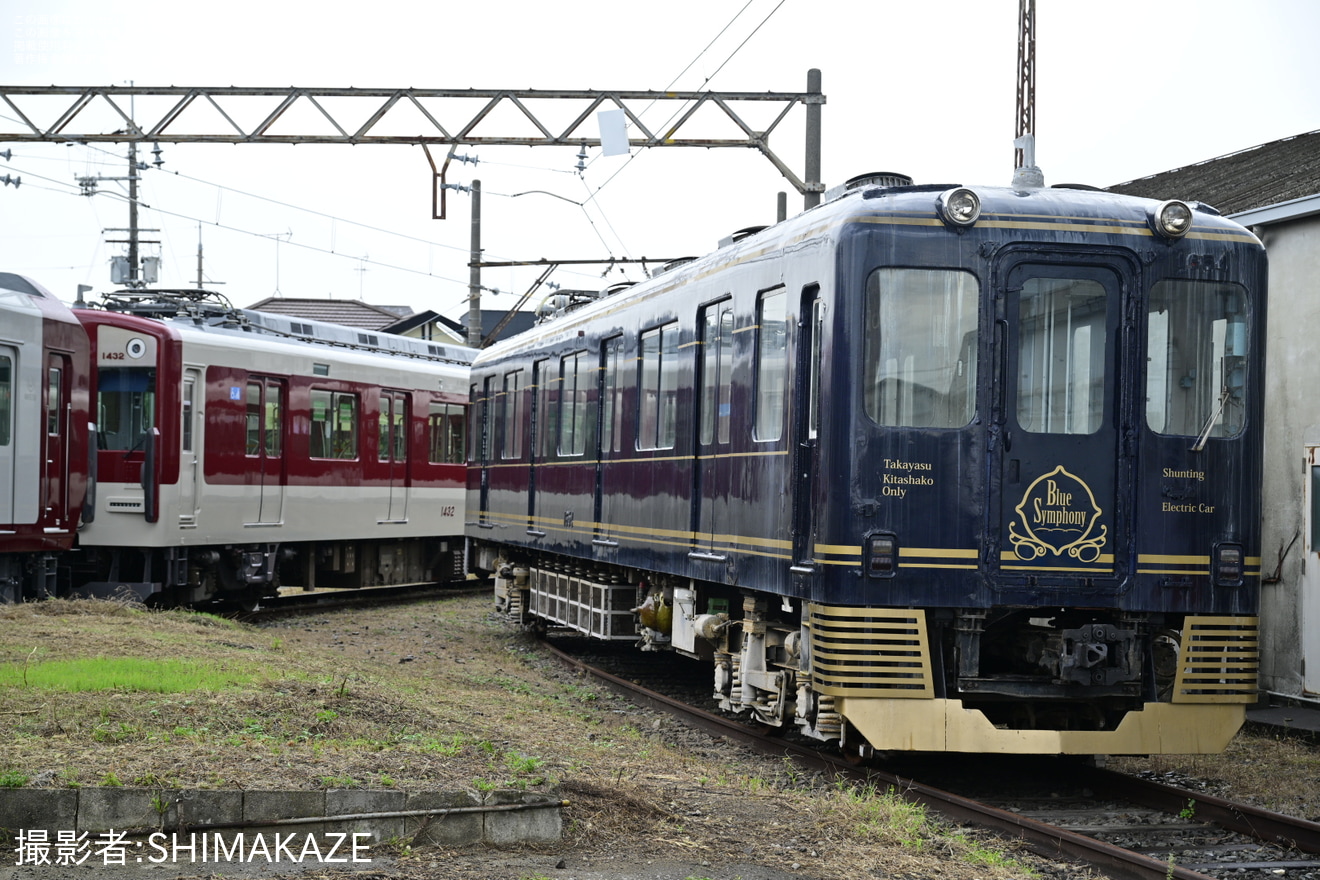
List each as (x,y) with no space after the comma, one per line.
(1210,422)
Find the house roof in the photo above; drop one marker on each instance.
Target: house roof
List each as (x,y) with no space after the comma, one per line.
(348,312)
(1279,171)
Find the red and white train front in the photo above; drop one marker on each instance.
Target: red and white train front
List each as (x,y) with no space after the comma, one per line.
(239,452)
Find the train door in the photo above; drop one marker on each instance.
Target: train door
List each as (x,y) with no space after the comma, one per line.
(8,366)
(483,404)
(54,479)
(1057,404)
(714,422)
(392,453)
(190,471)
(806,422)
(1309,588)
(609,441)
(265,449)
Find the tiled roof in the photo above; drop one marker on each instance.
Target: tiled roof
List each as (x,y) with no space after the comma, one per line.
(348,312)
(1253,178)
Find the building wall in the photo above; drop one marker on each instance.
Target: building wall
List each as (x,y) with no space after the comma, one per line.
(1292,415)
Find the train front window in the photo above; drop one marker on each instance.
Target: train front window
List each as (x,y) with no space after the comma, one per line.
(126,407)
(920,349)
(1061,355)
(1196,351)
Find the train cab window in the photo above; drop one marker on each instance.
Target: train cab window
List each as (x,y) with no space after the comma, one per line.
(6,397)
(447,430)
(126,407)
(574,376)
(657,425)
(920,348)
(334,428)
(771,364)
(716,372)
(511,415)
(1061,355)
(1196,349)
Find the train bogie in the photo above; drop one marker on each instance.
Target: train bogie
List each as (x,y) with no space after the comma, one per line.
(909,475)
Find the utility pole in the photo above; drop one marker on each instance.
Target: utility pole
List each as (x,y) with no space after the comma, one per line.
(474,271)
(129,271)
(133,274)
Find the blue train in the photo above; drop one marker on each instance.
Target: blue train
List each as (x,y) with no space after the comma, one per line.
(934,468)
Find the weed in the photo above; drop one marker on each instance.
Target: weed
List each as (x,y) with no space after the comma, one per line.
(484,785)
(325,716)
(110,780)
(13,779)
(1189,811)
(344,781)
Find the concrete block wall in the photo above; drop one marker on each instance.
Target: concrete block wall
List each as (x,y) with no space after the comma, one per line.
(502,818)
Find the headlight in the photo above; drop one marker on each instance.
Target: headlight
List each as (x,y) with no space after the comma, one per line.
(1172,219)
(959,207)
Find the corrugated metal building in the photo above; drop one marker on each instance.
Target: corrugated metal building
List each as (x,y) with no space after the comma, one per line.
(1275,190)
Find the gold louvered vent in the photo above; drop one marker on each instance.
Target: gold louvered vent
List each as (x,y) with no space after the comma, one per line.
(870,652)
(1218,661)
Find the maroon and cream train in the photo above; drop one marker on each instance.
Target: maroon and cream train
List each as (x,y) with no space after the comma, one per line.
(44,414)
(238,451)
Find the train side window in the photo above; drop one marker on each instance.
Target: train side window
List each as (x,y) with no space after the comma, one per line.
(6,398)
(447,433)
(657,424)
(274,421)
(920,348)
(253,418)
(771,364)
(54,382)
(611,395)
(574,374)
(334,427)
(544,422)
(1196,351)
(186,419)
(392,440)
(512,415)
(716,372)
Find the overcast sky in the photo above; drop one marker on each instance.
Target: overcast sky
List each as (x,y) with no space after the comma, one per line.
(1125,88)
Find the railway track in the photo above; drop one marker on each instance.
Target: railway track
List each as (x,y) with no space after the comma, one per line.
(1124,826)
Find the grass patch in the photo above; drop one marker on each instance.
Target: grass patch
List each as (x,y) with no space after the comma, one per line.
(164,676)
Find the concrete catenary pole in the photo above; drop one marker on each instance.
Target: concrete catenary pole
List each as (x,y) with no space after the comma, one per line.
(812,177)
(474,271)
